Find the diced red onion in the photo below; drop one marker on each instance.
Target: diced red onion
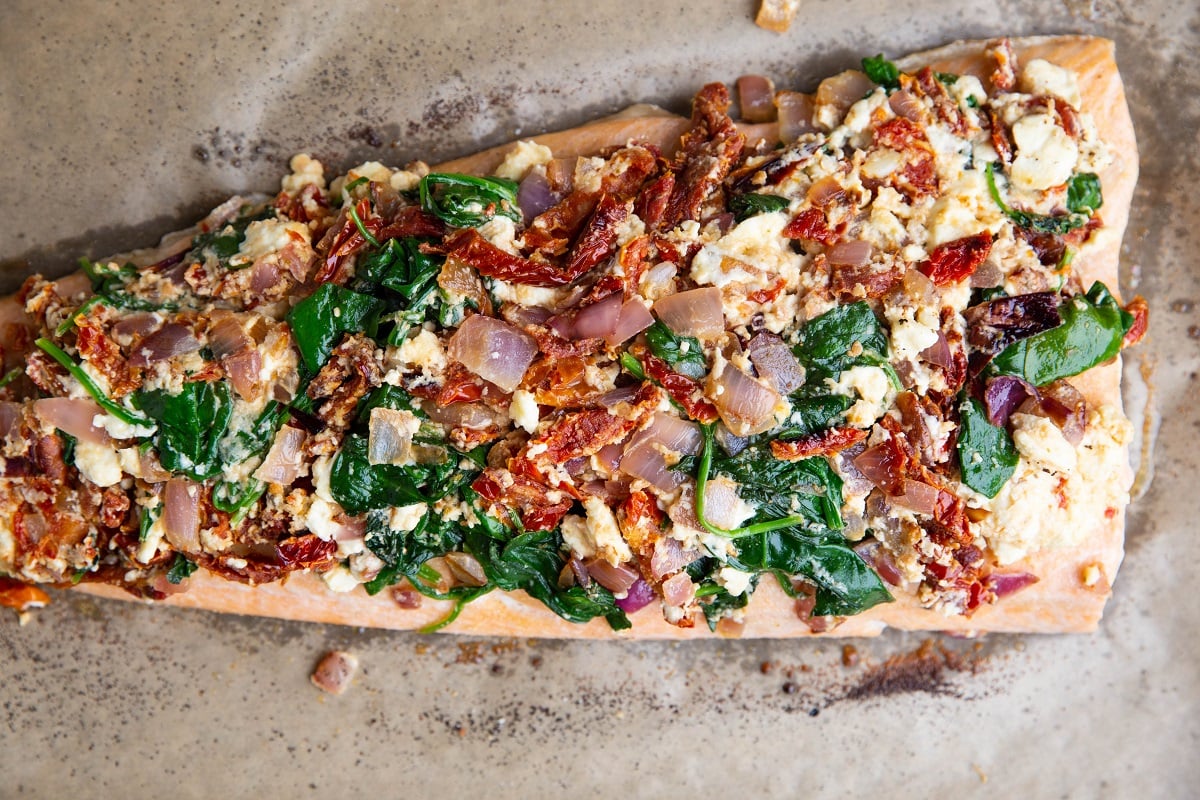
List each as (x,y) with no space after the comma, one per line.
(335,671)
(150,469)
(939,353)
(172,339)
(844,90)
(181,514)
(745,405)
(1004,395)
(826,192)
(697,312)
(920,498)
(721,506)
(669,556)
(389,436)
(1066,408)
(244,370)
(756,97)
(632,320)
(609,457)
(855,482)
(599,320)
(1006,583)
(475,416)
(880,559)
(524,315)
(406,598)
(284,462)
(75,416)
(466,569)
(135,325)
(616,579)
(671,432)
(226,336)
(907,105)
(855,253)
(919,289)
(647,463)
(637,596)
(10,416)
(775,362)
(534,195)
(678,590)
(493,350)
(880,465)
(622,394)
(795,111)
(264,275)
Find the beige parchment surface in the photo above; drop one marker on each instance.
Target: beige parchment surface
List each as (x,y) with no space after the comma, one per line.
(122,120)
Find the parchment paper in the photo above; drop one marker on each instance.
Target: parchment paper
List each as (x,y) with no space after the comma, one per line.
(122,120)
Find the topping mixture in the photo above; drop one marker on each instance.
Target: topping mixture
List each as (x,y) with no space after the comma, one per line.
(842,363)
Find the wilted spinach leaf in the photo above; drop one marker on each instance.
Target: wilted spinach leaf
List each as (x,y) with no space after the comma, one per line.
(319,320)
(683,353)
(986,453)
(191,425)
(745,206)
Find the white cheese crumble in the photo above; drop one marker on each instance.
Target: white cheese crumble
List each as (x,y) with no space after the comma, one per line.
(524,410)
(305,170)
(523,157)
(406,518)
(339,579)
(267,236)
(735,581)
(1042,443)
(604,532)
(1046,155)
(1041,77)
(99,463)
(872,387)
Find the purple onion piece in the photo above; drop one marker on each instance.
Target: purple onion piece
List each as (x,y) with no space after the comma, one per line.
(1003,396)
(535,195)
(775,363)
(639,595)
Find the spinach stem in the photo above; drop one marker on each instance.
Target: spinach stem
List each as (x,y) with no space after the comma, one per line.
(69,322)
(77,372)
(702,483)
(366,234)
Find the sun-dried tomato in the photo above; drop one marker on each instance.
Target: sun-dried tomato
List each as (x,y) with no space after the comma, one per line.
(459,385)
(598,241)
(812,226)
(1000,141)
(411,221)
(635,260)
(304,552)
(1141,320)
(823,443)
(953,261)
(105,356)
(681,388)
(947,110)
(14,594)
(652,201)
(345,239)
(469,247)
(918,178)
(709,150)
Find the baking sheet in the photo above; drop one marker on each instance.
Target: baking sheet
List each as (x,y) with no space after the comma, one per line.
(124,120)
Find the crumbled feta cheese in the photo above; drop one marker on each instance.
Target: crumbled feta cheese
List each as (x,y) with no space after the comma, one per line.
(1046,155)
(98,463)
(149,546)
(755,253)
(524,410)
(267,236)
(1041,77)
(576,536)
(524,156)
(407,518)
(500,231)
(320,519)
(340,579)
(423,352)
(872,386)
(604,532)
(305,170)
(1040,441)
(735,581)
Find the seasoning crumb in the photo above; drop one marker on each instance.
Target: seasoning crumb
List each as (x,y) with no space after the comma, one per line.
(1182,306)
(790,688)
(765,668)
(814,711)
(1194,331)
(335,671)
(850,657)
(979,771)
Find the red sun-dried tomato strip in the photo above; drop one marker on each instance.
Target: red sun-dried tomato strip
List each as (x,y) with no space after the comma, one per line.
(411,221)
(345,240)
(524,495)
(919,176)
(599,238)
(652,201)
(105,355)
(681,388)
(303,552)
(823,443)
(1141,320)
(584,433)
(811,225)
(947,109)
(469,247)
(709,150)
(953,261)
(635,260)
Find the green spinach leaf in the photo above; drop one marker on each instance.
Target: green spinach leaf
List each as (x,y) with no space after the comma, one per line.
(683,353)
(843,337)
(745,206)
(360,486)
(882,71)
(1093,327)
(986,453)
(467,201)
(181,568)
(319,321)
(1084,187)
(191,425)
